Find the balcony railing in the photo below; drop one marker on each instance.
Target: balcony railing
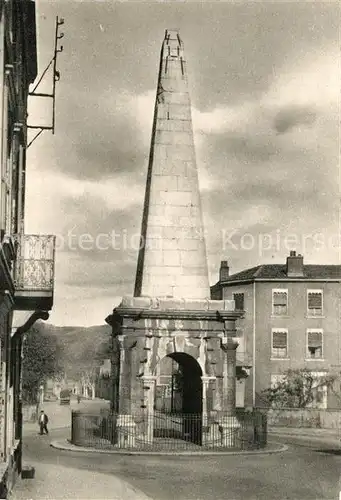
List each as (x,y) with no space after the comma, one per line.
(34,271)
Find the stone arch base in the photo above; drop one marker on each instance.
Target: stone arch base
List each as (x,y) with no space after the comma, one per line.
(146,330)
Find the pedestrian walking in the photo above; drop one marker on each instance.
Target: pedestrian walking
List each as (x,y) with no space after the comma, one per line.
(43,421)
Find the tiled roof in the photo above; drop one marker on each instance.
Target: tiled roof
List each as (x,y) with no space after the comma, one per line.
(273,271)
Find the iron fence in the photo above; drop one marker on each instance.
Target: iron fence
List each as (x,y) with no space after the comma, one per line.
(167,431)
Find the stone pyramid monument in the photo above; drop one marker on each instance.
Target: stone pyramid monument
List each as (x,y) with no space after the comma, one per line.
(171,314)
(172,260)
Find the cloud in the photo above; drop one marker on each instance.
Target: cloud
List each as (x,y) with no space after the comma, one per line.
(68,200)
(291,117)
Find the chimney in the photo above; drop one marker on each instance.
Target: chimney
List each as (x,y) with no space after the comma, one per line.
(224,270)
(294,265)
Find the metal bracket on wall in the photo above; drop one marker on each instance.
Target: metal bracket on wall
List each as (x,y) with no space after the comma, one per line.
(55,79)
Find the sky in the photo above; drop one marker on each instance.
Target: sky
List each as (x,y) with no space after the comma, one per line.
(264,85)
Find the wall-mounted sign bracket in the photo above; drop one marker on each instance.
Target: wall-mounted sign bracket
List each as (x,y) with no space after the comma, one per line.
(55,79)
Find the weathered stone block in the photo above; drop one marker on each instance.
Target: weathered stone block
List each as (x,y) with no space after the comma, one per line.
(162,220)
(127,301)
(178,211)
(153,232)
(138,302)
(172,137)
(191,281)
(187,291)
(189,221)
(162,271)
(171,304)
(176,198)
(229,305)
(156,210)
(171,258)
(216,305)
(161,291)
(185,184)
(195,305)
(173,232)
(170,244)
(191,244)
(191,259)
(165,183)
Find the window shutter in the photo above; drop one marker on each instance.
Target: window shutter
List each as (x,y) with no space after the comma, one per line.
(279,340)
(315,301)
(314,339)
(280,299)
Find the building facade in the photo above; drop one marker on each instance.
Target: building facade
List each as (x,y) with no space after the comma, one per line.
(26,261)
(291,321)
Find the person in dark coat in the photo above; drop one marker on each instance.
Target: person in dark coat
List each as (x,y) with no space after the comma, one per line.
(43,421)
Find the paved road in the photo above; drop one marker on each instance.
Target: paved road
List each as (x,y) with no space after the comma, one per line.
(308,470)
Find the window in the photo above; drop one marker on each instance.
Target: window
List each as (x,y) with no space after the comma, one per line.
(315,302)
(279,344)
(280,302)
(314,344)
(239,301)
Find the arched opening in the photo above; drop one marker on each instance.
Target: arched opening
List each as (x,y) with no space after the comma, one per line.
(179,393)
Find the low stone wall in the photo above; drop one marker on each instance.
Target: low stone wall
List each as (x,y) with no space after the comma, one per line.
(305,417)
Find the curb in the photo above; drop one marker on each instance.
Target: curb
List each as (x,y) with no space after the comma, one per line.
(67,446)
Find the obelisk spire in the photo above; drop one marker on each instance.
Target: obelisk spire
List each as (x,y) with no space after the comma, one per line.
(172,259)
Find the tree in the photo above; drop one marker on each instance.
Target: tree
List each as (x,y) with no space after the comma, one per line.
(42,355)
(297,389)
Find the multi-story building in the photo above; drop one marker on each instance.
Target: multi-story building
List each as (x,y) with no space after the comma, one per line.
(291,321)
(26,261)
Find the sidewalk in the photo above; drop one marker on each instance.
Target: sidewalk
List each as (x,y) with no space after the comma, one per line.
(57,482)
(306,431)
(329,437)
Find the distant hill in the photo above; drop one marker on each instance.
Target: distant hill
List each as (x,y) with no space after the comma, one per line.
(82,347)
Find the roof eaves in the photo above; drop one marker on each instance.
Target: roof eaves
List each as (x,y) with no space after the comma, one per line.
(246,281)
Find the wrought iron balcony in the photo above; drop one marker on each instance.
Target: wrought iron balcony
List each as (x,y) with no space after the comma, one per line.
(34,272)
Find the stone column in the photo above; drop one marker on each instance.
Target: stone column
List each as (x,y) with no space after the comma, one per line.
(208,430)
(205,381)
(229,346)
(124,400)
(149,383)
(126,427)
(228,423)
